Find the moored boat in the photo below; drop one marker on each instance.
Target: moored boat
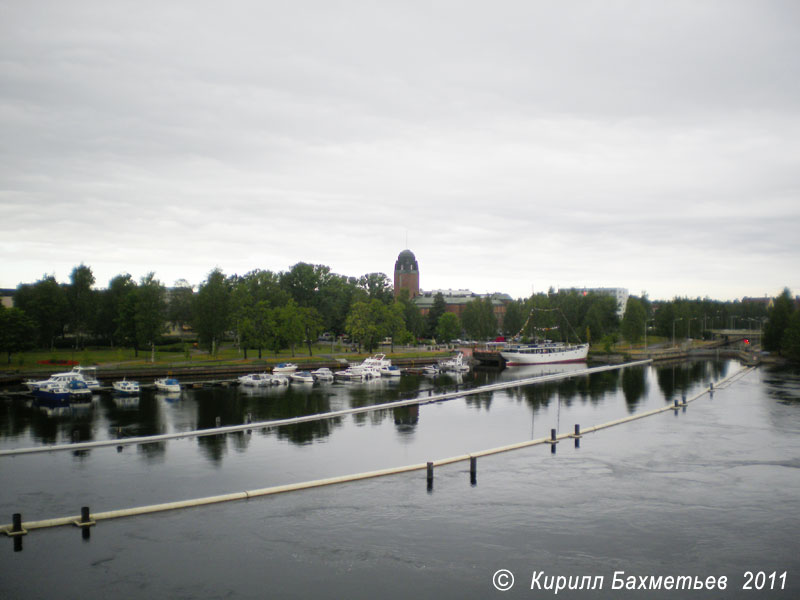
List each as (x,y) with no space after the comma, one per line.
(54,391)
(543,353)
(284,368)
(323,374)
(79,391)
(456,364)
(125,387)
(171,386)
(302,377)
(255,379)
(279,379)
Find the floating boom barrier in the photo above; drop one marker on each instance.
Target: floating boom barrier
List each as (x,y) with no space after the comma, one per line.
(87,519)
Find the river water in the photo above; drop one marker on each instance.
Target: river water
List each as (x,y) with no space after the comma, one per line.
(712,491)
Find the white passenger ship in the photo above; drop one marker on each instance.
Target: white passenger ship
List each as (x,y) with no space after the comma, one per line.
(543,353)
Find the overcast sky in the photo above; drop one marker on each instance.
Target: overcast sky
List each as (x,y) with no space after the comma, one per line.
(511,145)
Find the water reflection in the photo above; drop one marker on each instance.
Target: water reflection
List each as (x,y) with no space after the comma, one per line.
(23,423)
(676,378)
(634,386)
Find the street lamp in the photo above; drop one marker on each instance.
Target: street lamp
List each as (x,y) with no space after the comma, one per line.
(673,329)
(689,327)
(645,331)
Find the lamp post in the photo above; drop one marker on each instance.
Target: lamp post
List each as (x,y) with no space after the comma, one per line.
(673,329)
(646,321)
(689,327)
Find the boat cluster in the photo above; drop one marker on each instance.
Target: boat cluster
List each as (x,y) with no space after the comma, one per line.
(77,385)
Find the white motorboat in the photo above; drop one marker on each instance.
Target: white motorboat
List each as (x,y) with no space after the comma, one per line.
(284,368)
(431,370)
(323,374)
(84,374)
(171,386)
(543,353)
(255,379)
(126,388)
(358,373)
(390,371)
(279,380)
(302,377)
(456,364)
(377,362)
(89,375)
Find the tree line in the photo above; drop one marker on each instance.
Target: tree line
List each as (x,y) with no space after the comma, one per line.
(272,311)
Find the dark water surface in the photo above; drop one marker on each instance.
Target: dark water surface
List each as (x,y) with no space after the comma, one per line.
(712,491)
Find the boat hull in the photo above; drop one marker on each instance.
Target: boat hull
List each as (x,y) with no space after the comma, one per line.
(545,355)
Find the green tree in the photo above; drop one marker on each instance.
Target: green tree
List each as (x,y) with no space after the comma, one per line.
(303,282)
(778,321)
(45,302)
(437,310)
(81,301)
(151,309)
(369,322)
(336,296)
(377,286)
(179,303)
(479,319)
(211,310)
(633,321)
(290,325)
(790,343)
(312,325)
(412,317)
(514,318)
(449,328)
(17,331)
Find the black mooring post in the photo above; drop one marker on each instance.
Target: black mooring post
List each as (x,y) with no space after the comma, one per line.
(553,441)
(473,470)
(16,523)
(683,399)
(430,476)
(85,515)
(577,435)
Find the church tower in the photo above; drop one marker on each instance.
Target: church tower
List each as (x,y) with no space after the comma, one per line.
(406,274)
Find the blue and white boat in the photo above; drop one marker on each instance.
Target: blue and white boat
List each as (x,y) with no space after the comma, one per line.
(126,388)
(168,385)
(79,391)
(53,391)
(284,368)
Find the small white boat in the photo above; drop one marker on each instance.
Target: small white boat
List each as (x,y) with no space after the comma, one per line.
(126,388)
(171,386)
(255,379)
(279,380)
(302,377)
(431,370)
(456,364)
(390,371)
(323,374)
(87,374)
(284,368)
